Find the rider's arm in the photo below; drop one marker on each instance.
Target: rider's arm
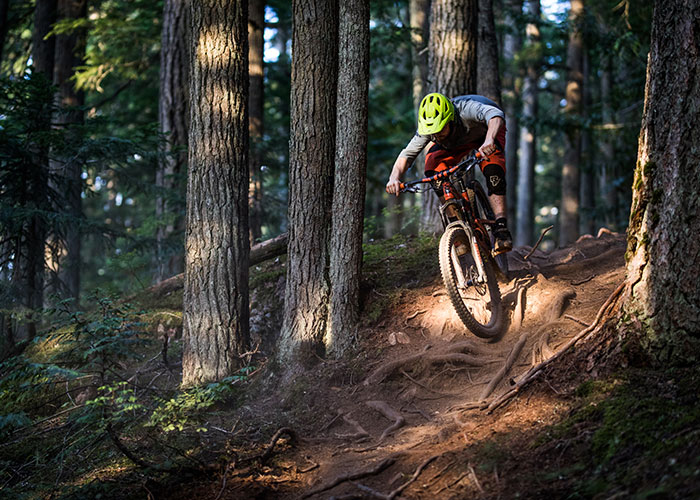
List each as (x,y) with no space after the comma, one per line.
(400,166)
(404,161)
(489,145)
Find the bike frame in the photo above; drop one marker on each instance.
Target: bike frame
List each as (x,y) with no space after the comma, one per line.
(459,199)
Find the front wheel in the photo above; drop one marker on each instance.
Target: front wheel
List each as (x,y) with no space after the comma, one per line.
(476,299)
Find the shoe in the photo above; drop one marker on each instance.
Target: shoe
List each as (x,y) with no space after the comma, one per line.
(503,241)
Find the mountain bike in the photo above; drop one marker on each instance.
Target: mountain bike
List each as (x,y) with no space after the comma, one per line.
(468,264)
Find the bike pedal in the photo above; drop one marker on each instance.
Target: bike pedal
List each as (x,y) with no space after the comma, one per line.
(496,253)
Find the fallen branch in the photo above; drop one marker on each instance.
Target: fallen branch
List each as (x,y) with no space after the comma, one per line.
(535,370)
(390,414)
(380,467)
(265,456)
(544,231)
(573,318)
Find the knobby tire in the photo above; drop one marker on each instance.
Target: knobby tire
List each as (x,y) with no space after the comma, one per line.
(474,318)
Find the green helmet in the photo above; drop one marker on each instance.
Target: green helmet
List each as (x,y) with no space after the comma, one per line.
(434,112)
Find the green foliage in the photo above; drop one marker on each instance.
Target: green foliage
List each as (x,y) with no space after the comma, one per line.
(188,408)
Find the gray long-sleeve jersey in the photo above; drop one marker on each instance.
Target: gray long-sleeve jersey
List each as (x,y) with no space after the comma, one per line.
(474,112)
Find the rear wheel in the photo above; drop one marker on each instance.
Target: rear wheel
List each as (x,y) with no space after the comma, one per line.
(482,208)
(477,300)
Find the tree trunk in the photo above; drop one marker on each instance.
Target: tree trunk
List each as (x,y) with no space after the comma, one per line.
(311,159)
(452,58)
(528,135)
(350,174)
(663,251)
(256,27)
(607,148)
(588,219)
(4,9)
(70,52)
(488,76)
(216,309)
(571,173)
(453,38)
(173,113)
(419,13)
(512,42)
(43,49)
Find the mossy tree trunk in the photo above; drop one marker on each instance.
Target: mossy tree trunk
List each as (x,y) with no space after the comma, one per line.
(311,160)
(663,255)
(216,309)
(350,173)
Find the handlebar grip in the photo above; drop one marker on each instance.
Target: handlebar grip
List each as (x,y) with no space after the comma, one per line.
(402,186)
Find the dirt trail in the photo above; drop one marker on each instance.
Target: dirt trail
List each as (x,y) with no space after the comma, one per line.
(402,423)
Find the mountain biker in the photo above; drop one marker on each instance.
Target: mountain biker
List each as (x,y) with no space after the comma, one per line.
(452,128)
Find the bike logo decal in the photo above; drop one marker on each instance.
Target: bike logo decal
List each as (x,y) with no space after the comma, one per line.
(494,179)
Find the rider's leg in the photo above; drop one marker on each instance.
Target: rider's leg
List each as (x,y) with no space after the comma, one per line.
(493,169)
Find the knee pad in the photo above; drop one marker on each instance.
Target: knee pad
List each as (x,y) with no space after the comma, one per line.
(495,179)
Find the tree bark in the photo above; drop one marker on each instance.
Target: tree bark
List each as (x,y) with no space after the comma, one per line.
(452,58)
(4,10)
(453,49)
(512,43)
(528,134)
(588,173)
(216,307)
(488,76)
(607,148)
(173,110)
(311,158)
(43,49)
(571,172)
(419,13)
(70,52)
(256,27)
(663,251)
(350,174)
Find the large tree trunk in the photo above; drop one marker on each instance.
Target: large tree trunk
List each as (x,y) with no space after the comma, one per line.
(512,42)
(311,159)
(452,58)
(571,172)
(663,250)
(528,135)
(350,173)
(256,27)
(70,52)
(488,77)
(173,112)
(453,39)
(216,308)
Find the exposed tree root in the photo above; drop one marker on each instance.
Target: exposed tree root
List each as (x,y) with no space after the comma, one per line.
(558,304)
(535,370)
(397,491)
(359,433)
(378,468)
(390,414)
(514,353)
(573,318)
(452,354)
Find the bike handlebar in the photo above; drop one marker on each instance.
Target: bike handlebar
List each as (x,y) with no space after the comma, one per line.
(473,158)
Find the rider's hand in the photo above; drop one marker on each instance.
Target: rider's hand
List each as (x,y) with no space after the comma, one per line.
(488,148)
(393,187)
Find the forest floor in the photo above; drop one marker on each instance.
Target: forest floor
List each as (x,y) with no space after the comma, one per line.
(563,405)
(421,408)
